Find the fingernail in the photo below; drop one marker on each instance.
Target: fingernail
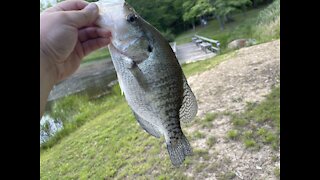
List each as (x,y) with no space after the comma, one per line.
(92,7)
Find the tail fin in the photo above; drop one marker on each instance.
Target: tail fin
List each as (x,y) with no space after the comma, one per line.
(178,149)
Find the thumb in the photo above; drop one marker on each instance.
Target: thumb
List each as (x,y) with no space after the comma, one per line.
(84,17)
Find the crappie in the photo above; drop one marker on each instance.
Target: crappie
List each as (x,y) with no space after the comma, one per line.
(149,76)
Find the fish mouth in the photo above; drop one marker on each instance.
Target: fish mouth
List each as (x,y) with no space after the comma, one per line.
(137,60)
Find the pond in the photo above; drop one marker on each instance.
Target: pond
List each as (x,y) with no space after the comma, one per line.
(48,127)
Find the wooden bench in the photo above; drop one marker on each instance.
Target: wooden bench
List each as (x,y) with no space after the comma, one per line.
(206,43)
(214,49)
(198,41)
(194,39)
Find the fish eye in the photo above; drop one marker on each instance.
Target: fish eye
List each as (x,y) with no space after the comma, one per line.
(131,18)
(150,48)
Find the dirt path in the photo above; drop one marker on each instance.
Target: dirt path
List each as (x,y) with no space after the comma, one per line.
(247,77)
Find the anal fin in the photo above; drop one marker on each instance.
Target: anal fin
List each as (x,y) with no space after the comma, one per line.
(150,128)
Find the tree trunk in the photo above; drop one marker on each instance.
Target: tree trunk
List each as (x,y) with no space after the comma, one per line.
(224,18)
(221,23)
(193,25)
(228,18)
(254,3)
(244,11)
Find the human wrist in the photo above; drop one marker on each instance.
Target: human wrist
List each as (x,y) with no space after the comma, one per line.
(47,69)
(47,80)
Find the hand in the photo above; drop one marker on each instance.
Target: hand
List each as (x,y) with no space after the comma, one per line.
(67,34)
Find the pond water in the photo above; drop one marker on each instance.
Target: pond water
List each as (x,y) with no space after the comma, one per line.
(48,127)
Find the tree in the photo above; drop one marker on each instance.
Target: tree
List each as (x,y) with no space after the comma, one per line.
(165,15)
(196,9)
(256,2)
(224,9)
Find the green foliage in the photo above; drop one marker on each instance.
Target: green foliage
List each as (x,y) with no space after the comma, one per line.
(165,15)
(269,14)
(100,54)
(268,23)
(194,9)
(224,7)
(168,35)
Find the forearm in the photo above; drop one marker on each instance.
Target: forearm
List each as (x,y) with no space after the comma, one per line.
(47,81)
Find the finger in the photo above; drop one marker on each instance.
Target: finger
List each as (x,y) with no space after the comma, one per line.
(68,6)
(92,33)
(94,44)
(82,18)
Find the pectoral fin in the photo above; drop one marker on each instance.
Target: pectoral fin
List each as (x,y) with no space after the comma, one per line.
(136,72)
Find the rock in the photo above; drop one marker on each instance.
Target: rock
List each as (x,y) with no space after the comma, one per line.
(240,43)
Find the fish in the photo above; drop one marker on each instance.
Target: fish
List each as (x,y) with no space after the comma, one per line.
(150,76)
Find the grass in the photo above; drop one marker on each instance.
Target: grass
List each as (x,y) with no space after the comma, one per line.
(277,172)
(75,110)
(200,66)
(249,143)
(202,153)
(198,135)
(233,134)
(210,117)
(211,141)
(200,167)
(206,122)
(260,123)
(269,22)
(97,55)
(226,176)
